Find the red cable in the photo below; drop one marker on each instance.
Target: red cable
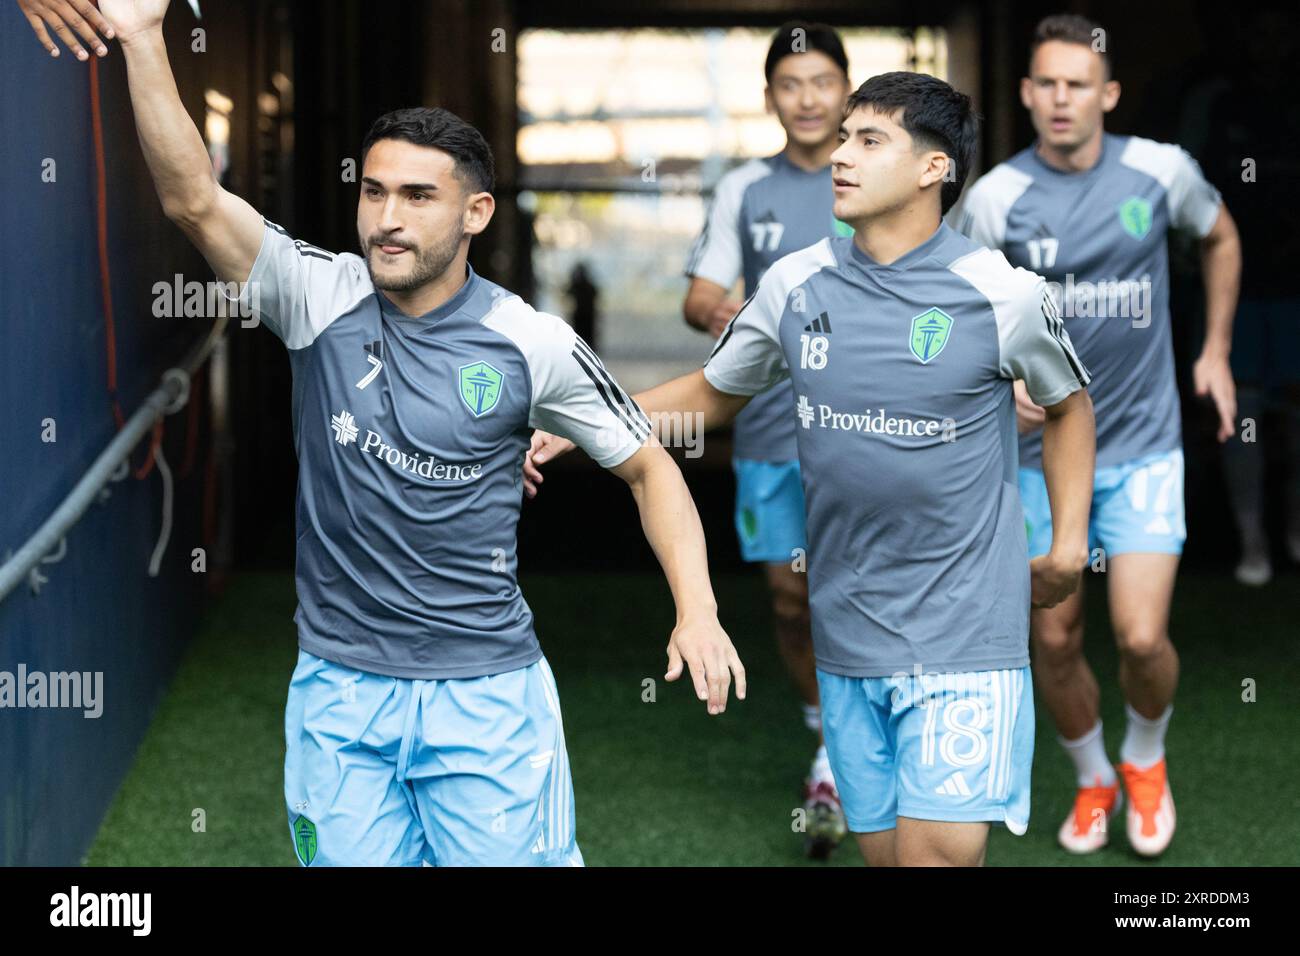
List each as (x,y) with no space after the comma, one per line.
(105,284)
(101,231)
(143,471)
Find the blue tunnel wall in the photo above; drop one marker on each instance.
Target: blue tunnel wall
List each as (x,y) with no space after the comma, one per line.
(100,610)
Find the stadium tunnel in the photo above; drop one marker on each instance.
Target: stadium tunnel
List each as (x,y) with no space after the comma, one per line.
(284,92)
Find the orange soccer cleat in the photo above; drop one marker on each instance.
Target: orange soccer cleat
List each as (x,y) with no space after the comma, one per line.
(1085,830)
(1150,807)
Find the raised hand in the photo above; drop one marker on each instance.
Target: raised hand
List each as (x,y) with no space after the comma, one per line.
(68,19)
(132,17)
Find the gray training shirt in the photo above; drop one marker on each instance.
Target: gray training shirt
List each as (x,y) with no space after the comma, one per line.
(902,374)
(410,435)
(761,211)
(1099,238)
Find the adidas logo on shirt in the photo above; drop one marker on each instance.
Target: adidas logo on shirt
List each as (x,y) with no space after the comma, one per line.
(820,324)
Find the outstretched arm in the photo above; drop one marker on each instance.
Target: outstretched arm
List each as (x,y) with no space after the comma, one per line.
(225,228)
(672,526)
(689,394)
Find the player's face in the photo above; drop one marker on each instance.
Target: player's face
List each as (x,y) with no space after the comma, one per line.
(877,169)
(807,94)
(1067,94)
(413,214)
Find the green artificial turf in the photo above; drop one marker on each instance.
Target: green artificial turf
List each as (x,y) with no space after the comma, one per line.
(662,783)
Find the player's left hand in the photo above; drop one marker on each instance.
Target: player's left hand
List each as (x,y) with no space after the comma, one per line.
(1212,376)
(1054,577)
(707,651)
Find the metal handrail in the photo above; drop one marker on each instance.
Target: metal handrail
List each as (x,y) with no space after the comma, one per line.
(168,398)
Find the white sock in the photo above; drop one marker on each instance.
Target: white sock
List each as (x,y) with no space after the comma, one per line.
(821,767)
(1088,753)
(812,718)
(1144,740)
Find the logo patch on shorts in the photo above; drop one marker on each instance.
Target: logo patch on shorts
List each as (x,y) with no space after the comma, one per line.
(480,387)
(304,840)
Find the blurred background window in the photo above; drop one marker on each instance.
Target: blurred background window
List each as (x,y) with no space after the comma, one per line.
(622,137)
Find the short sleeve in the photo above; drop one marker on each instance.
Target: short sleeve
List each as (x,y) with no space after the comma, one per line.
(981,213)
(1036,348)
(1193,201)
(748,358)
(977,220)
(716,253)
(576,397)
(297,289)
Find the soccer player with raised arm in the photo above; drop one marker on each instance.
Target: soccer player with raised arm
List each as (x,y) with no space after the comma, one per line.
(902,342)
(423,723)
(761,211)
(1090,211)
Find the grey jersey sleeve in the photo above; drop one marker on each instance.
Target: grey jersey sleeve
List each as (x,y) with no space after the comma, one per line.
(748,357)
(1035,347)
(1193,202)
(1032,342)
(986,205)
(717,254)
(574,395)
(297,289)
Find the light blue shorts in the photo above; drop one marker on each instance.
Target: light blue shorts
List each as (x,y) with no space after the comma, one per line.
(769,510)
(1136,507)
(383,771)
(949,747)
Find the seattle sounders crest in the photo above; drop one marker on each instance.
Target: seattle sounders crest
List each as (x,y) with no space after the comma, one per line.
(1135,216)
(480,387)
(304,840)
(930,332)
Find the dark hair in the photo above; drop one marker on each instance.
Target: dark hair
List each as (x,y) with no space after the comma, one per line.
(934,114)
(444,130)
(798,36)
(1071,28)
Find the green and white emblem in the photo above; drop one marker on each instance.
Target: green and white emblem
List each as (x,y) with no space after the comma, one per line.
(304,840)
(930,332)
(480,387)
(1135,217)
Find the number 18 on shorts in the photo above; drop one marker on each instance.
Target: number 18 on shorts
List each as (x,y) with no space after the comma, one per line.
(951,747)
